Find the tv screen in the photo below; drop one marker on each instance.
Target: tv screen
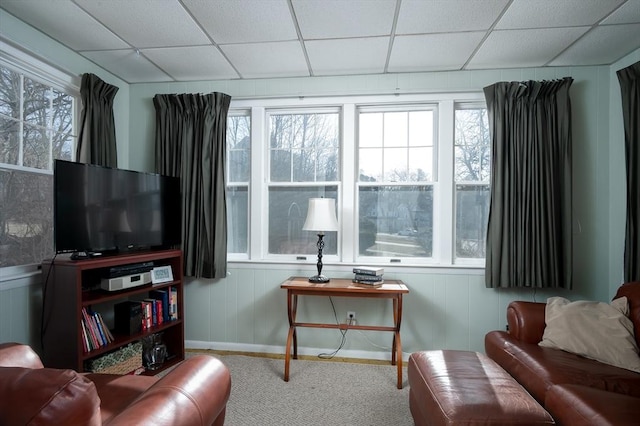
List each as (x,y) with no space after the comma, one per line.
(100,209)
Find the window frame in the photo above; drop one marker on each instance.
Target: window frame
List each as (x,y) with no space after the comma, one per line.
(38,70)
(443,179)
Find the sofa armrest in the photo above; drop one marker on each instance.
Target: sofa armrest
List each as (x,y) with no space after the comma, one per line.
(18,355)
(526,321)
(194,393)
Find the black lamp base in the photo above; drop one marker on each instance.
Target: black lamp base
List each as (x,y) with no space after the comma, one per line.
(319,279)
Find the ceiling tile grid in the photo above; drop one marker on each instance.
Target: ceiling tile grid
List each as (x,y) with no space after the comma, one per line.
(188,40)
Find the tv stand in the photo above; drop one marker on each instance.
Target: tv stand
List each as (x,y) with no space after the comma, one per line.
(70,285)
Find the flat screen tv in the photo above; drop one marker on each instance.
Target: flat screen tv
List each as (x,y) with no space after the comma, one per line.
(103,210)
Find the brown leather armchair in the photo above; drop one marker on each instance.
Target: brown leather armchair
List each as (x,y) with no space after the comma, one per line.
(195,392)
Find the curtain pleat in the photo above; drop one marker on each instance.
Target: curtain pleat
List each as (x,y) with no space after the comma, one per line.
(97,136)
(190,143)
(529,238)
(629,79)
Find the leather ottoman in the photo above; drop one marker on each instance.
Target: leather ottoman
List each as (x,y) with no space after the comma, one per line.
(451,387)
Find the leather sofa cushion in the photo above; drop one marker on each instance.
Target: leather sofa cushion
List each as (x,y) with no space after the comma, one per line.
(452,387)
(47,396)
(538,368)
(580,405)
(118,392)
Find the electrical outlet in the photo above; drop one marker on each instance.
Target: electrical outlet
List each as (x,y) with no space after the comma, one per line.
(351,317)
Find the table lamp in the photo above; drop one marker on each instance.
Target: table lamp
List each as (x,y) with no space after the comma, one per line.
(321,217)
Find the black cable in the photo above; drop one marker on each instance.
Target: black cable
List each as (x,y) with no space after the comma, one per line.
(330,355)
(45,285)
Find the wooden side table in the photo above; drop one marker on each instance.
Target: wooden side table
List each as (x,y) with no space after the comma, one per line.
(300,286)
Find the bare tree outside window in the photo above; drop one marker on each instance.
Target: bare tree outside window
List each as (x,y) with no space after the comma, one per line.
(395,190)
(303,163)
(472,170)
(36,124)
(238,177)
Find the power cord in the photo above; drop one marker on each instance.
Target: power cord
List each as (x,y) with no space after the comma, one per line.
(44,325)
(330,355)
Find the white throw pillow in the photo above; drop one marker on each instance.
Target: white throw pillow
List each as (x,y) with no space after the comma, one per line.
(593,330)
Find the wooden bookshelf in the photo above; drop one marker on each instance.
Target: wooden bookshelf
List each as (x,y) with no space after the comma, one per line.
(70,285)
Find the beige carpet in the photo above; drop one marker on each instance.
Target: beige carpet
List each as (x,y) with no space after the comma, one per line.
(318,393)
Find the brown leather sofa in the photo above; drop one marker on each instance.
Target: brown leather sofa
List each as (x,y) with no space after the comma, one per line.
(195,392)
(573,389)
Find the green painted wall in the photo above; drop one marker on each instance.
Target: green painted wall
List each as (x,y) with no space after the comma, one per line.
(447,308)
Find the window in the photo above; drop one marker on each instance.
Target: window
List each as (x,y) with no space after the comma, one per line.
(410,176)
(238,177)
(395,182)
(304,162)
(37,121)
(472,171)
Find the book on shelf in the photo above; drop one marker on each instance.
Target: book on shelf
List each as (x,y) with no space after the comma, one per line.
(173,300)
(100,334)
(368,270)
(163,296)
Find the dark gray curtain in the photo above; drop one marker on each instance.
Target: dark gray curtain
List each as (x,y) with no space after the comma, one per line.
(190,143)
(629,79)
(97,137)
(529,234)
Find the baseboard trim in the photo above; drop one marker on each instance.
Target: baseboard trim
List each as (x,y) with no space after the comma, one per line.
(279,350)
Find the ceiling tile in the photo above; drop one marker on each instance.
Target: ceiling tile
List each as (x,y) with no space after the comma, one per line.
(322,19)
(432,52)
(127,65)
(628,13)
(244,21)
(85,33)
(439,16)
(350,56)
(602,45)
(142,23)
(523,48)
(262,60)
(554,13)
(192,63)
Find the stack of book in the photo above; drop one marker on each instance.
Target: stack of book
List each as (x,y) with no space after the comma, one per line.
(368,276)
(95,332)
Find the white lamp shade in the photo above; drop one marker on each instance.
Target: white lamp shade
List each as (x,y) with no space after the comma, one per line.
(321,215)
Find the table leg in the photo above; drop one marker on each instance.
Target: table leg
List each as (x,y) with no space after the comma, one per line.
(292,339)
(398,343)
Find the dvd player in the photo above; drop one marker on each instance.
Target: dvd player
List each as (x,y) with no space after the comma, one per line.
(125,281)
(132,269)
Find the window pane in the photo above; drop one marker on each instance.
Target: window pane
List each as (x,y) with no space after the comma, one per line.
(472,145)
(10,98)
(31,135)
(9,141)
(406,138)
(26,222)
(287,213)
(396,129)
(396,221)
(472,212)
(63,146)
(281,166)
(237,219)
(304,147)
(36,103)
(421,128)
(36,147)
(239,146)
(370,130)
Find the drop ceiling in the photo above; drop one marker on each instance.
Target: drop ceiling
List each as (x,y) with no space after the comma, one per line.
(187,40)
